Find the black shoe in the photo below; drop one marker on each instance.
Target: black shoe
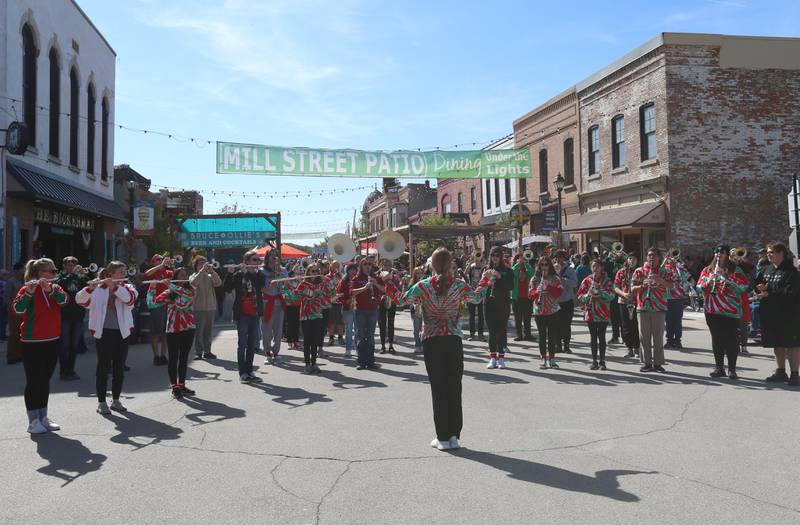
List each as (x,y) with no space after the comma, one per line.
(594,366)
(176,393)
(361,367)
(471,337)
(646,368)
(156,361)
(530,337)
(209,355)
(733,375)
(187,391)
(70,376)
(374,366)
(602,365)
(518,338)
(567,350)
(778,377)
(678,345)
(383,349)
(391,348)
(613,341)
(669,344)
(164,360)
(340,340)
(330,341)
(481,337)
(718,372)
(794,380)
(659,368)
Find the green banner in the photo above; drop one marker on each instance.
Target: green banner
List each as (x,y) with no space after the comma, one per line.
(252,159)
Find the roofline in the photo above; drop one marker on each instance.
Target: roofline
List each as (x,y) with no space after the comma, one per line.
(82,12)
(567,92)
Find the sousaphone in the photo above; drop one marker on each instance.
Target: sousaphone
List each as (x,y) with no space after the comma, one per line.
(341,248)
(390,245)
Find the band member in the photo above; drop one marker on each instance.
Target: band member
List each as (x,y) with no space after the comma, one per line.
(161,269)
(778,287)
(566,302)
(110,303)
(747,316)
(545,290)
(311,292)
(274,309)
(722,282)
(367,289)
(474,273)
(179,299)
(325,304)
(72,279)
(440,298)
(39,302)
(650,285)
(417,274)
(292,324)
(335,321)
(246,282)
(629,324)
(348,307)
(387,309)
(676,302)
(595,293)
(523,272)
(611,265)
(497,307)
(204,280)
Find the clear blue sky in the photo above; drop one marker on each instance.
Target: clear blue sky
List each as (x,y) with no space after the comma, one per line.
(366,75)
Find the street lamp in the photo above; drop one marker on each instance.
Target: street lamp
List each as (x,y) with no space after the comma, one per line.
(559,188)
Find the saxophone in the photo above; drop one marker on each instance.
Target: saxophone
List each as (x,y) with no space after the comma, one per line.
(716,275)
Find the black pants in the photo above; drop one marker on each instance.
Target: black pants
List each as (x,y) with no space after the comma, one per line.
(112,350)
(444,361)
(597,332)
(629,325)
(323,327)
(497,313)
(292,324)
(386,323)
(475,318)
(567,310)
(178,346)
(724,339)
(547,325)
(615,320)
(39,360)
(522,317)
(312,334)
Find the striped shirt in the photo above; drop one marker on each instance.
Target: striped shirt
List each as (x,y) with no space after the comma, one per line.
(179,301)
(652,298)
(545,303)
(727,297)
(311,297)
(596,307)
(441,313)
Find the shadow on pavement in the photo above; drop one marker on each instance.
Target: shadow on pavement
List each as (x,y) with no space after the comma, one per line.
(604,483)
(284,395)
(68,459)
(133,428)
(206,411)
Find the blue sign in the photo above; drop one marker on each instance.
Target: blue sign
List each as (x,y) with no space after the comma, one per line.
(550,212)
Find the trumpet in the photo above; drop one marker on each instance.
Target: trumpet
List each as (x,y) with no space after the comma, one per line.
(93,268)
(215,264)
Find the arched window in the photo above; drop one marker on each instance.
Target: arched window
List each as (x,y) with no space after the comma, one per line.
(543,171)
(446,204)
(569,162)
(104,145)
(74,105)
(90,128)
(55,102)
(29,53)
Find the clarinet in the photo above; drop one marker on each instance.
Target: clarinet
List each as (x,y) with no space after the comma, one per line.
(629,305)
(716,275)
(650,285)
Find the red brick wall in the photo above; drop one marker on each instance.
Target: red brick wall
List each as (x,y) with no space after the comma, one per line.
(453,187)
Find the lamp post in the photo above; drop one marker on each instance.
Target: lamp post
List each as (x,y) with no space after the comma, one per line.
(559,188)
(131,188)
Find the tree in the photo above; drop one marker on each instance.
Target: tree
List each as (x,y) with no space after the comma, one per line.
(232,209)
(426,247)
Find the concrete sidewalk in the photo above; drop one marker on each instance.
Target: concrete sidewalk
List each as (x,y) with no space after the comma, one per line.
(567,445)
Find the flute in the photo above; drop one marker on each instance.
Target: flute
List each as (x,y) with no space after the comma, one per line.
(157,281)
(37,281)
(100,281)
(287,279)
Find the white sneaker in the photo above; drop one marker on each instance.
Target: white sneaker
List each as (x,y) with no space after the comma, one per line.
(553,363)
(117,405)
(102,408)
(36,427)
(492,363)
(501,363)
(268,361)
(543,364)
(348,353)
(50,425)
(454,442)
(441,445)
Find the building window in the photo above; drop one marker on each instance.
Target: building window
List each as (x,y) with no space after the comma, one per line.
(446,204)
(594,150)
(473,199)
(488,195)
(460,202)
(543,171)
(507,187)
(618,142)
(523,189)
(29,53)
(104,142)
(647,131)
(497,193)
(569,162)
(74,105)
(90,128)
(55,102)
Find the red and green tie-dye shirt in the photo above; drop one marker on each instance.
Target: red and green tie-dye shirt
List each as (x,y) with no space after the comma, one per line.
(545,303)
(179,301)
(727,297)
(650,298)
(311,296)
(441,314)
(596,306)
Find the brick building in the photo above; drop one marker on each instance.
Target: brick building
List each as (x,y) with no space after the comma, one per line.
(392,207)
(497,198)
(551,133)
(688,141)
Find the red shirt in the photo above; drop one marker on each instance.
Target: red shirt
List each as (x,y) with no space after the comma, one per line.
(161,273)
(366,300)
(343,294)
(522,291)
(249,303)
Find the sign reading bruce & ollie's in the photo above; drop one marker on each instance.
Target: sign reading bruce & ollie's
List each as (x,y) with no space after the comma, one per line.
(62,219)
(250,159)
(221,238)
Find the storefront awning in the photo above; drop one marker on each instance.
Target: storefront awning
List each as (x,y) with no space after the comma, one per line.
(649,215)
(37,184)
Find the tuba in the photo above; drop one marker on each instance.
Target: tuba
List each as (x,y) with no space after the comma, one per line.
(341,248)
(390,245)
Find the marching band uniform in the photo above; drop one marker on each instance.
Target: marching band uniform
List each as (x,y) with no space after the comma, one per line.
(71,323)
(348,315)
(651,305)
(546,312)
(474,273)
(595,295)
(676,303)
(312,296)
(387,312)
(612,266)
(523,272)
(629,323)
(180,328)
(366,318)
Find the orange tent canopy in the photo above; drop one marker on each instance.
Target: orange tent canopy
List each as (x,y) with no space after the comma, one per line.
(287,251)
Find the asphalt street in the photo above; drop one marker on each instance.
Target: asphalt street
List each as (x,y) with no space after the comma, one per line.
(568,445)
